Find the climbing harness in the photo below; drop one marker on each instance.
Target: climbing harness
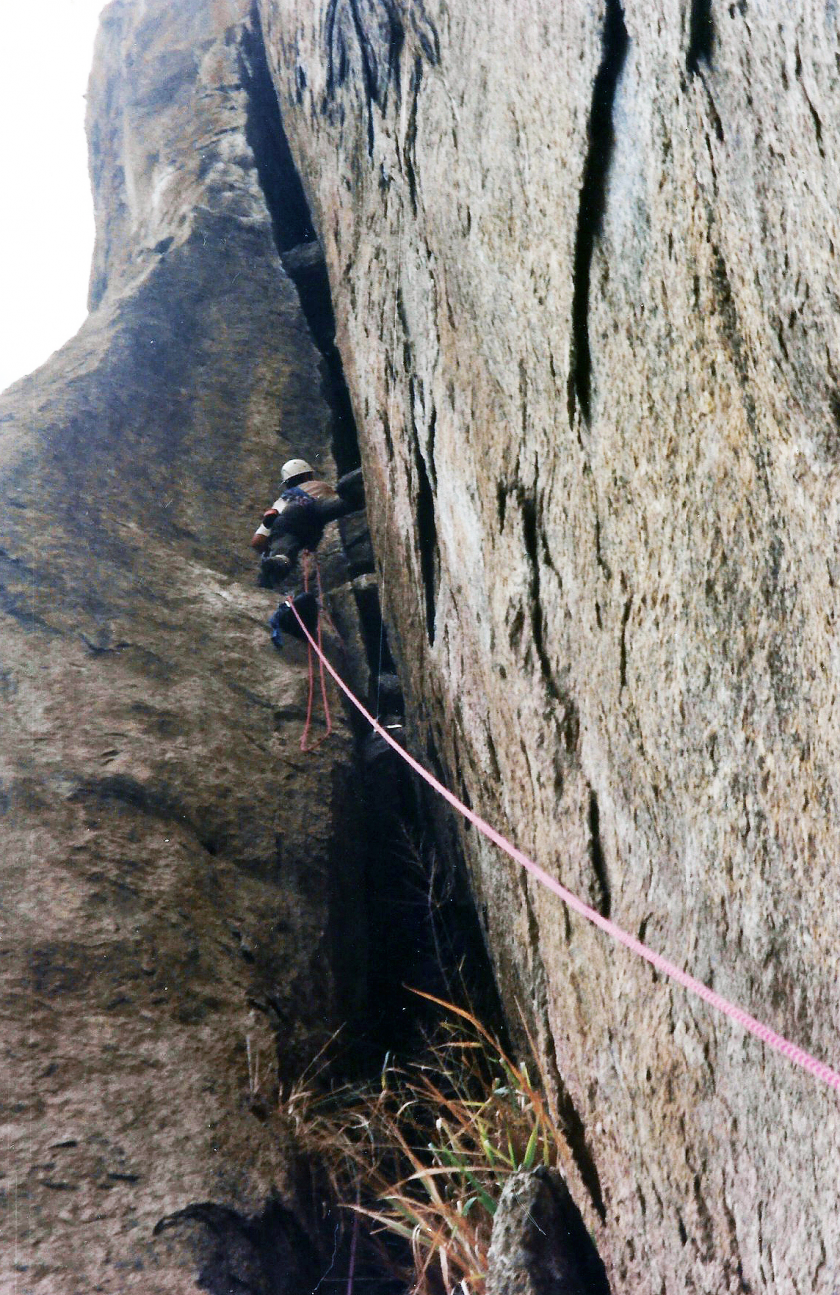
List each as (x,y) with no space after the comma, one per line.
(795,1054)
(309,560)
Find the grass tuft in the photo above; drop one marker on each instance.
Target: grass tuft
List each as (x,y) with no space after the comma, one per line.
(423,1155)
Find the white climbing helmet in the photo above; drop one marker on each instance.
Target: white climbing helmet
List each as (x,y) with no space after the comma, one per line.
(294,468)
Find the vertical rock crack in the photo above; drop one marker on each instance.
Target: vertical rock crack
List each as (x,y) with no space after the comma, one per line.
(294,234)
(701,36)
(596,855)
(614,42)
(427,543)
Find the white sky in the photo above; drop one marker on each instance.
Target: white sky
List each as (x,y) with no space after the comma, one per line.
(46,212)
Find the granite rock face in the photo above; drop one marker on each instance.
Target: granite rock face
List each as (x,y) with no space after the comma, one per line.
(174,869)
(585,269)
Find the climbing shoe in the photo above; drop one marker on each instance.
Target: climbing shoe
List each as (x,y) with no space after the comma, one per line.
(273,570)
(284,620)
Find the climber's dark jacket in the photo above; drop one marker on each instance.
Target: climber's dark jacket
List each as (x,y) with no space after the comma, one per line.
(302,511)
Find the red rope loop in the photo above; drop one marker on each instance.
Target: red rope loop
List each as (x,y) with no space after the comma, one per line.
(307,561)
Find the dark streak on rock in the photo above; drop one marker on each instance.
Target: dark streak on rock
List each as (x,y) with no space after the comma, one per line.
(730,329)
(158,802)
(596,855)
(379,30)
(427,543)
(502,498)
(369,70)
(102,649)
(529,534)
(815,117)
(337,61)
(410,145)
(516,627)
(727,314)
(18,605)
(431,438)
(732,1265)
(717,124)
(698,57)
(492,754)
(705,1231)
(778,329)
(406,347)
(625,616)
(568,731)
(614,41)
(599,556)
(386,430)
(701,36)
(426,32)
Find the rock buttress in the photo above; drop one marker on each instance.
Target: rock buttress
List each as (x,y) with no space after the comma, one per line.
(174,869)
(584,261)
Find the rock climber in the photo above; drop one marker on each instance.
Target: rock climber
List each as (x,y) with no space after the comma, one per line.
(295,521)
(294,524)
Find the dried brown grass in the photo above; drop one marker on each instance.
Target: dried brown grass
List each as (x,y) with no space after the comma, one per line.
(424,1156)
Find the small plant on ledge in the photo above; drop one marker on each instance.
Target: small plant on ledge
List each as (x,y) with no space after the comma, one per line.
(422,1158)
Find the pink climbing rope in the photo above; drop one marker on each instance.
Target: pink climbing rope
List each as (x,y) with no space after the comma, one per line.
(763,1032)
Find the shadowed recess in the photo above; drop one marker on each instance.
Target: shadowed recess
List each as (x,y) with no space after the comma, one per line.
(427,543)
(295,236)
(701,36)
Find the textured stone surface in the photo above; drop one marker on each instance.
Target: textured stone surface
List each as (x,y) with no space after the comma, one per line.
(584,259)
(173,867)
(539,1244)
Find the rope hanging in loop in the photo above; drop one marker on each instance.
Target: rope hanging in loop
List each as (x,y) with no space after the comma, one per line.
(308,560)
